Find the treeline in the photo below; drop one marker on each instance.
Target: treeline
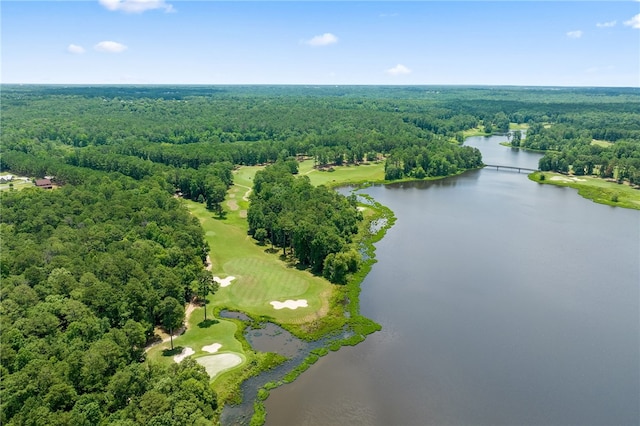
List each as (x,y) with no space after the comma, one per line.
(316,224)
(185,135)
(208,183)
(87,271)
(434,159)
(575,149)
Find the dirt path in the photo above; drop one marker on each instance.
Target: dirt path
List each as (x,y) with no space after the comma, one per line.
(246,194)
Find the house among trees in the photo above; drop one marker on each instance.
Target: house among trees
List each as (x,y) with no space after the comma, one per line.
(44,183)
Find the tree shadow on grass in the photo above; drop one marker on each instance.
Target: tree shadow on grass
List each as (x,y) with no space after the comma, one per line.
(207,323)
(171,352)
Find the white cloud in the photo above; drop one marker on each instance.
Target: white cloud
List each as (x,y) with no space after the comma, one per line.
(110,47)
(136,6)
(74,48)
(634,22)
(322,40)
(606,24)
(574,34)
(398,70)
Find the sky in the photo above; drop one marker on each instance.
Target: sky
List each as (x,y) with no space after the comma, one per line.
(524,43)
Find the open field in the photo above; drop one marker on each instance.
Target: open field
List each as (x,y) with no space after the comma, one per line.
(476,131)
(596,189)
(603,144)
(366,172)
(516,126)
(18,182)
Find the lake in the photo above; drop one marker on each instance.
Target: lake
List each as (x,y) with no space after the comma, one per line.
(502,302)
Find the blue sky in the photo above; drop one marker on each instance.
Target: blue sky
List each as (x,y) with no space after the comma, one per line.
(541,43)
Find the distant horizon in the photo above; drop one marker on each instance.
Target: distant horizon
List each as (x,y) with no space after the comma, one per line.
(325,43)
(520,86)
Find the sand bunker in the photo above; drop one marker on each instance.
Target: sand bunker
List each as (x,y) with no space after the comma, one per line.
(213,348)
(567,179)
(182,355)
(216,364)
(224,282)
(291,304)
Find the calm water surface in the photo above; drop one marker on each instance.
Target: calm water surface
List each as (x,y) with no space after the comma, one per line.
(502,302)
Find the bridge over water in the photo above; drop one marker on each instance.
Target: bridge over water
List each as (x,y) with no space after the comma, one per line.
(499,166)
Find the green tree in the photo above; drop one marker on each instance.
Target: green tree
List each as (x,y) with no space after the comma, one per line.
(206,285)
(516,138)
(171,315)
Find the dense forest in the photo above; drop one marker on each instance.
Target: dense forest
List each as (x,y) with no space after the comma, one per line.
(89,268)
(577,148)
(87,271)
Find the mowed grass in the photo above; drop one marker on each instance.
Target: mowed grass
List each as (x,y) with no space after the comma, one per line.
(365,172)
(244,175)
(261,276)
(596,189)
(198,335)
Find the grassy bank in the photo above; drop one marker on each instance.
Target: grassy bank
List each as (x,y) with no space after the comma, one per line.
(596,189)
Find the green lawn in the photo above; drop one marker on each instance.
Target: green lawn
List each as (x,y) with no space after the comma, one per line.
(261,276)
(596,189)
(198,335)
(366,172)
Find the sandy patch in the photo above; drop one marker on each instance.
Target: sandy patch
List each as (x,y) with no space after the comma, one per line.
(224,282)
(567,179)
(213,348)
(233,205)
(290,304)
(182,355)
(360,209)
(216,364)
(243,213)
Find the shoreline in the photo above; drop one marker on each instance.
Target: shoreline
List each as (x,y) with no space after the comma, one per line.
(593,188)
